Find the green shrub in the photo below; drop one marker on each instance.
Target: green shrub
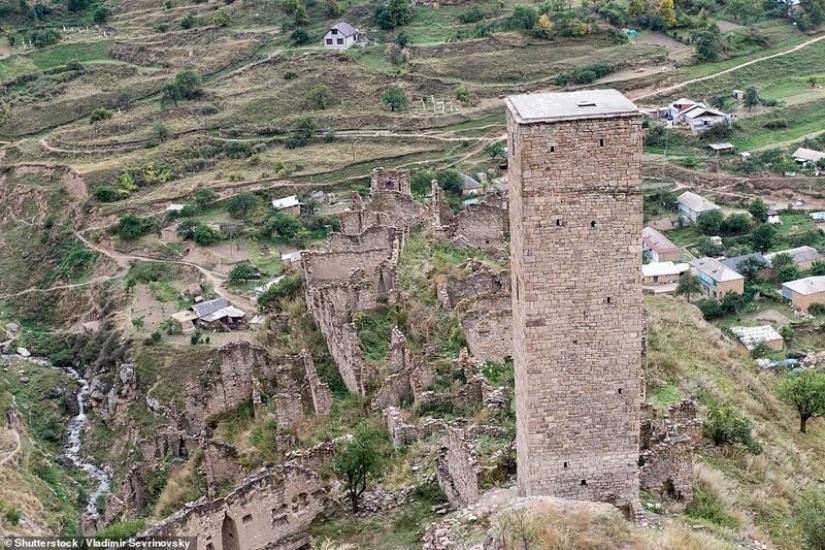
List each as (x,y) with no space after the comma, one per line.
(710,308)
(106,193)
(131,226)
(285,289)
(12,517)
(726,426)
(816,309)
(100,114)
(706,505)
(809,513)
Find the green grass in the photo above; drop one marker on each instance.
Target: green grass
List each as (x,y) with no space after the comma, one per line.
(62,54)
(795,223)
(803,118)
(684,236)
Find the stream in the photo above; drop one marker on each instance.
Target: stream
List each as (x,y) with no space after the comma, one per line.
(76,426)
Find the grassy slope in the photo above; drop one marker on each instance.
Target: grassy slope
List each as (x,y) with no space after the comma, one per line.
(690,355)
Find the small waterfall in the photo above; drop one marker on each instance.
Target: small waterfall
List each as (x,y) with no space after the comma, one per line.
(76,426)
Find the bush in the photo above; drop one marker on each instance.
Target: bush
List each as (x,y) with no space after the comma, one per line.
(710,308)
(105,193)
(473,15)
(777,124)
(285,289)
(12,517)
(816,309)
(726,426)
(131,226)
(809,513)
(188,21)
(205,235)
(706,505)
(100,114)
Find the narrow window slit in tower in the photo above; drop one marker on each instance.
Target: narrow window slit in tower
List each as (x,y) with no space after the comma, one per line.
(593,224)
(558,223)
(552,148)
(608,299)
(565,465)
(584,482)
(620,391)
(601,143)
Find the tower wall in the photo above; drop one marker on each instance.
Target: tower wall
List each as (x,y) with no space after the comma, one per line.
(576,222)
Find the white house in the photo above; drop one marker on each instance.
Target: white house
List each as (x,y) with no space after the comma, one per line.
(340,37)
(773,217)
(700,118)
(679,107)
(691,205)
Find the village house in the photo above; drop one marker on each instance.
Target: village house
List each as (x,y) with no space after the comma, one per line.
(763,334)
(717,280)
(805,156)
(773,217)
(724,148)
(662,273)
(675,109)
(803,293)
(289,258)
(218,314)
(691,205)
(701,118)
(658,248)
(340,37)
(733,263)
(803,256)
(290,205)
(470,187)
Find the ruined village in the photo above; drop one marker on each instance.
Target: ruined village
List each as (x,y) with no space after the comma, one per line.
(394,274)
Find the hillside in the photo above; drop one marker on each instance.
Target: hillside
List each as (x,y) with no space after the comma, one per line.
(143,145)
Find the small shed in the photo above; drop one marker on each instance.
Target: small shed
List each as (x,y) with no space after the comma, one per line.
(753,336)
(290,205)
(773,217)
(723,148)
(739,95)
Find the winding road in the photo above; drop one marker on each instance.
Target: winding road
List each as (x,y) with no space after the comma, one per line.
(726,71)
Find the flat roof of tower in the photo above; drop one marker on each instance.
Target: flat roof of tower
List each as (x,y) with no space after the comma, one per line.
(531,108)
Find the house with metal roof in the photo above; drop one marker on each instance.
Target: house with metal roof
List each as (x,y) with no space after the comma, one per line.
(762,334)
(691,205)
(658,247)
(803,256)
(723,148)
(340,36)
(803,293)
(290,205)
(805,156)
(663,273)
(716,278)
(217,313)
(733,263)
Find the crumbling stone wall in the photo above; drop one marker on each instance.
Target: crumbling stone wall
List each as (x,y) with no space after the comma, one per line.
(410,377)
(338,265)
(220,465)
(269,510)
(481,280)
(383,180)
(402,433)
(487,321)
(482,226)
(455,468)
(667,444)
(399,208)
(372,238)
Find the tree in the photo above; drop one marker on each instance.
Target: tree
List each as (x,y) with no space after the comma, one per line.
(160,131)
(710,222)
(637,8)
(744,11)
(787,273)
(400,12)
(733,303)
(710,308)
(205,235)
(395,98)
(286,226)
(402,39)
(301,17)
(333,8)
(708,44)
(758,209)
(751,97)
(806,393)
(188,21)
(203,197)
(750,267)
(131,227)
(319,96)
(763,237)
(524,18)
(222,18)
(76,6)
(240,205)
(818,268)
(736,224)
(358,460)
(726,425)
(188,83)
(243,271)
(667,11)
(812,81)
(496,149)
(782,260)
(101,15)
(300,37)
(689,285)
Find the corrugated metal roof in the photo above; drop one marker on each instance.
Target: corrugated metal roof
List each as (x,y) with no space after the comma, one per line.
(654,240)
(807,155)
(663,268)
(733,263)
(714,269)
(806,286)
(345,28)
(696,202)
(799,254)
(753,336)
(286,202)
(228,311)
(205,308)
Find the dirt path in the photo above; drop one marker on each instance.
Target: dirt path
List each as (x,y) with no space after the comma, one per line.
(732,69)
(123,261)
(12,454)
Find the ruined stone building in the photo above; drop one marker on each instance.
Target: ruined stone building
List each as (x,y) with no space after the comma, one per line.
(575,205)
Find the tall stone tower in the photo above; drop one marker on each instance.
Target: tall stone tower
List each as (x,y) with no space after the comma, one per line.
(576,256)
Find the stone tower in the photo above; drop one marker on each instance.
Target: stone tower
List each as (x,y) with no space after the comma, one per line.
(576,256)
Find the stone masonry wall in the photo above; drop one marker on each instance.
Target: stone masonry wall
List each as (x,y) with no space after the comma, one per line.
(383,180)
(575,205)
(482,226)
(487,321)
(481,280)
(455,468)
(269,510)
